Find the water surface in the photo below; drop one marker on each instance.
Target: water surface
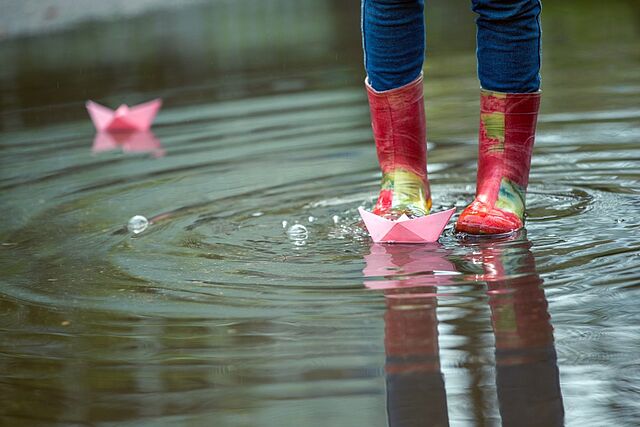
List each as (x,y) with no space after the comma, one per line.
(216,315)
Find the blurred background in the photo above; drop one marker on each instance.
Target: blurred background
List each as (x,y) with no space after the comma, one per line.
(57,52)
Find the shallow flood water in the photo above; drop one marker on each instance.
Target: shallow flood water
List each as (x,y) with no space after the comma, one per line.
(221,313)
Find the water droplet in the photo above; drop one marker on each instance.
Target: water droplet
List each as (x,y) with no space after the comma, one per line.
(137,224)
(335,219)
(298,233)
(312,218)
(284,224)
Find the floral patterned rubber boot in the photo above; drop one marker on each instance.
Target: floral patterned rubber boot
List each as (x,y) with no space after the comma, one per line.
(507,131)
(399,129)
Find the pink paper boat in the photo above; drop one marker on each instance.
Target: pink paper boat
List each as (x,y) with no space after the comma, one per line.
(124,119)
(404,230)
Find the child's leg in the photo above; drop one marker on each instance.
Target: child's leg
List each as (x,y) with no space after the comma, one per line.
(508,36)
(509,72)
(393,43)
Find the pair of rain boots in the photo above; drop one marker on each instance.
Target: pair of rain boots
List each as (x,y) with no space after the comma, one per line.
(507,130)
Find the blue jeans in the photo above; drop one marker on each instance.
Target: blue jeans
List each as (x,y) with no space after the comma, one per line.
(508,43)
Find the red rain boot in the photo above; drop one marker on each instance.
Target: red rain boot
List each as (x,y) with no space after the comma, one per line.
(398,121)
(507,130)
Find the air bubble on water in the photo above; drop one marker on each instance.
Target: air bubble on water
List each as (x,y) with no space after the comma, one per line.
(312,218)
(284,224)
(298,233)
(335,219)
(297,230)
(137,224)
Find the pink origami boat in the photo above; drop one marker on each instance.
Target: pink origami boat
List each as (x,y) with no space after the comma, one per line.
(124,118)
(424,229)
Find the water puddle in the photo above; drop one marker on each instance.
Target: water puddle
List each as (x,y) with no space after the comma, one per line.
(216,268)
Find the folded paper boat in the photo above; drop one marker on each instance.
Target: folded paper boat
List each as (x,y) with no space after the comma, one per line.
(424,229)
(124,118)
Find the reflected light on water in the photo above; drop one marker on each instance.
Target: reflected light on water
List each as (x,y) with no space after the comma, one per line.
(128,142)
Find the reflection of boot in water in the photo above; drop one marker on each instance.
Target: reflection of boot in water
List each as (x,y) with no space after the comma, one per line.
(415,386)
(526,370)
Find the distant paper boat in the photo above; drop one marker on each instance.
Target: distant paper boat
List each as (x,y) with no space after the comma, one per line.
(424,229)
(124,118)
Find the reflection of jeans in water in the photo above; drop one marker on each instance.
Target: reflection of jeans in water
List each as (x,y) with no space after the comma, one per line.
(417,399)
(508,37)
(529,393)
